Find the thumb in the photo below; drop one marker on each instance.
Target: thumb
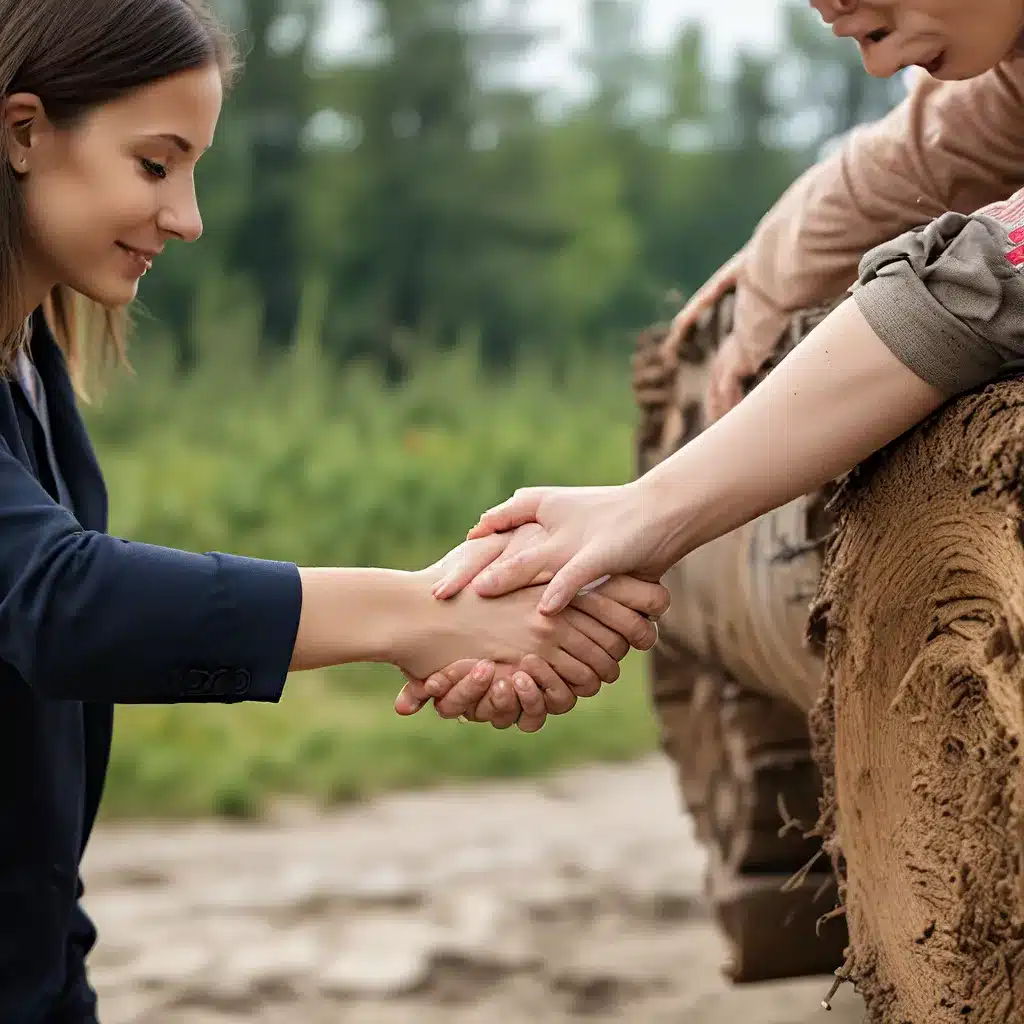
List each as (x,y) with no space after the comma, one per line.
(521,508)
(412,696)
(580,571)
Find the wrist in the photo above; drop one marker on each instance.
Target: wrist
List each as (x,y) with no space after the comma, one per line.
(361,615)
(670,513)
(414,618)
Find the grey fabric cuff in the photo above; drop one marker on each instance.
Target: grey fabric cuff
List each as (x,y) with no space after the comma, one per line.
(922,334)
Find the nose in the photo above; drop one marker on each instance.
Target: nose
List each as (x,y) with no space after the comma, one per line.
(180,218)
(832,10)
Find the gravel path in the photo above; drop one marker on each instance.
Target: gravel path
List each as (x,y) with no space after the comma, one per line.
(564,901)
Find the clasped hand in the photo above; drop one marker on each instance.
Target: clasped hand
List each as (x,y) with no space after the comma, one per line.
(595,629)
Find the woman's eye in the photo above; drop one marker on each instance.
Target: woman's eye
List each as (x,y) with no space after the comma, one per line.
(153,168)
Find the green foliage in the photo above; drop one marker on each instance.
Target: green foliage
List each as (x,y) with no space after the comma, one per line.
(301,461)
(437,199)
(294,458)
(334,738)
(411,299)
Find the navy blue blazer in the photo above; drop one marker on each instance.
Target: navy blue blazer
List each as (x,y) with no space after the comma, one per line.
(87,621)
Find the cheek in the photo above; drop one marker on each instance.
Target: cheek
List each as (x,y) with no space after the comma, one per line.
(78,217)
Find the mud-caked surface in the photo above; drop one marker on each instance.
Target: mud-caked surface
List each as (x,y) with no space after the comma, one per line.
(574,899)
(920,729)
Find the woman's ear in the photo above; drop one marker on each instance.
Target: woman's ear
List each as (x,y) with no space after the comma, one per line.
(23,121)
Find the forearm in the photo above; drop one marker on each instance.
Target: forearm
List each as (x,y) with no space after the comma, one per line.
(353,615)
(838,397)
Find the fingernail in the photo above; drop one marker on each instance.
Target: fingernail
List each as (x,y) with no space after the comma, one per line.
(441,587)
(486,579)
(522,684)
(414,704)
(482,670)
(548,605)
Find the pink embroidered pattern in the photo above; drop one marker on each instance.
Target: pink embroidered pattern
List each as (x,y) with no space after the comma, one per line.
(1010,214)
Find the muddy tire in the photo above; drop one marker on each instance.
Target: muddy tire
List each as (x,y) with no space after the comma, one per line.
(921,610)
(732,679)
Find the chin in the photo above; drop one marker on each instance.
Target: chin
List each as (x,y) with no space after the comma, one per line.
(111,294)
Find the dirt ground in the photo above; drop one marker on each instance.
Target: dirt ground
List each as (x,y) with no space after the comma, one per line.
(575,899)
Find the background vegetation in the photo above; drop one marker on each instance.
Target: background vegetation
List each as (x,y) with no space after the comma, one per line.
(416,292)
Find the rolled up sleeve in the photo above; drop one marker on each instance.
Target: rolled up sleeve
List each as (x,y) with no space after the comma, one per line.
(948,298)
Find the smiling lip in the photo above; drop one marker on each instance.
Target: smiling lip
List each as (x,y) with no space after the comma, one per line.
(141,258)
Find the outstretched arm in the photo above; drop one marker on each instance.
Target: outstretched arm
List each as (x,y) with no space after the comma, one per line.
(935,312)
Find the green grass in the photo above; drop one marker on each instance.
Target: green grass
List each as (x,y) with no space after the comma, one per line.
(334,738)
(308,463)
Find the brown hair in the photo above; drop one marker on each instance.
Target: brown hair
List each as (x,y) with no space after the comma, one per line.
(76,55)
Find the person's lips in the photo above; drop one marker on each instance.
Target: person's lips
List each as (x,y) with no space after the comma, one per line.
(934,66)
(141,258)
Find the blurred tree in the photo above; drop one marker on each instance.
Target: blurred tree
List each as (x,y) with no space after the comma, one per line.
(821,84)
(417,193)
(272,103)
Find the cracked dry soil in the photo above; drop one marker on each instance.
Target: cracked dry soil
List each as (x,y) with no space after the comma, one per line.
(573,899)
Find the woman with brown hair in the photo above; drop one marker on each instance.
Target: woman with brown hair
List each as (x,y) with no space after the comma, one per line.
(107,107)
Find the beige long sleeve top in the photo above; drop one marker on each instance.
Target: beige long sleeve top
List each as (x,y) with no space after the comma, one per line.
(949,146)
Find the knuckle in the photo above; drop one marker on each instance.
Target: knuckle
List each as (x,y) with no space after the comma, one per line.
(567,703)
(637,631)
(561,701)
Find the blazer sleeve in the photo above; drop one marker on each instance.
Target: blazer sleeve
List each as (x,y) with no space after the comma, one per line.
(86,616)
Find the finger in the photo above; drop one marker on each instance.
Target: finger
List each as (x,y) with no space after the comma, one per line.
(638,631)
(521,508)
(578,676)
(473,558)
(505,709)
(440,683)
(635,628)
(466,693)
(613,644)
(585,650)
(412,697)
(513,572)
(707,295)
(716,402)
(649,375)
(643,596)
(585,568)
(558,697)
(653,397)
(531,699)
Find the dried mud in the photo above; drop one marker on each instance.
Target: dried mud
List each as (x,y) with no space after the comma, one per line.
(918,731)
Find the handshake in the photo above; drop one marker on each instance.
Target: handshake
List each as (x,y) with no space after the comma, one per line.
(527,662)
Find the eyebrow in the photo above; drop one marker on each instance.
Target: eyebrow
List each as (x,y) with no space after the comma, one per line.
(182,143)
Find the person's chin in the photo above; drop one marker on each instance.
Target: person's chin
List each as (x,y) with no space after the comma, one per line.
(111,293)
